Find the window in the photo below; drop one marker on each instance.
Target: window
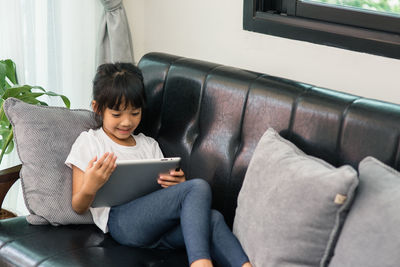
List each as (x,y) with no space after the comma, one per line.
(50,50)
(371,26)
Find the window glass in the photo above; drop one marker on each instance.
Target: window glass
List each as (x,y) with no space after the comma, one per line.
(391,7)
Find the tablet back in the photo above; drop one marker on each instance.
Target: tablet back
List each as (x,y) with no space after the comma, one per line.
(132,179)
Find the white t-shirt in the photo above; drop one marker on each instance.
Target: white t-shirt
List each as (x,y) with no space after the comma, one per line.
(95,143)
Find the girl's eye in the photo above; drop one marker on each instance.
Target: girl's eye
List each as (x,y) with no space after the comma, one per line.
(116,115)
(135,113)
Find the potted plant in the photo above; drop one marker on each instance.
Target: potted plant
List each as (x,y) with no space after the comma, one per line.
(9,88)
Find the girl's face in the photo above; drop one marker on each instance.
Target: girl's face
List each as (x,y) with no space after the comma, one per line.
(120,124)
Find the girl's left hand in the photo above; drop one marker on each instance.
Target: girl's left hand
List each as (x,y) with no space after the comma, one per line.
(174,177)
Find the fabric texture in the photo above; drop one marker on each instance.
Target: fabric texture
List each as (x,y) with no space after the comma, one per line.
(291,205)
(43,137)
(370,236)
(95,143)
(176,217)
(115,36)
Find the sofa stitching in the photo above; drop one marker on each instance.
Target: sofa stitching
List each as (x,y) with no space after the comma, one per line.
(63,252)
(294,110)
(341,127)
(18,238)
(198,112)
(240,136)
(163,93)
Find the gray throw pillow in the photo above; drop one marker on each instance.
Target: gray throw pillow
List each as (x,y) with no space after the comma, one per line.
(43,138)
(371,233)
(291,205)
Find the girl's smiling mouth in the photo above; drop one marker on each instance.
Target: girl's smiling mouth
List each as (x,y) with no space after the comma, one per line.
(125,131)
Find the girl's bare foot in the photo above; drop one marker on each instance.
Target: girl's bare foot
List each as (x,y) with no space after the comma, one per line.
(247,264)
(201,263)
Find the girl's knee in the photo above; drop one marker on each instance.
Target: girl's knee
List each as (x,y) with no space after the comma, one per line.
(217,223)
(198,190)
(200,184)
(128,237)
(216,217)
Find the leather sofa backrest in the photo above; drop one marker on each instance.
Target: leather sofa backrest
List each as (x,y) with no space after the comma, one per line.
(213,116)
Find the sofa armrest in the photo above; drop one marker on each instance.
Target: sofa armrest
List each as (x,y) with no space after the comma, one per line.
(7,179)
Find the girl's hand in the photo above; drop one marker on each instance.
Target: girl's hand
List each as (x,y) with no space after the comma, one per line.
(86,184)
(98,172)
(174,177)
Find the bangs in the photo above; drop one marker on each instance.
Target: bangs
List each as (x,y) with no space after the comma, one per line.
(122,99)
(121,92)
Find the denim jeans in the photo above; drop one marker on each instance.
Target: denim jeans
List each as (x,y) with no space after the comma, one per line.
(175,217)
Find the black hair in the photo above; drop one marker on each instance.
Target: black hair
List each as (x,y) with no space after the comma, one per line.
(116,84)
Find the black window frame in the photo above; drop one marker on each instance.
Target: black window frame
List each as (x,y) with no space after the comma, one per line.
(288,19)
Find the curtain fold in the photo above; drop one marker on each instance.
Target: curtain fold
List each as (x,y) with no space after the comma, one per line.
(115,42)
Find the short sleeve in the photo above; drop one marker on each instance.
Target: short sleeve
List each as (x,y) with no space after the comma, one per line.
(81,152)
(157,153)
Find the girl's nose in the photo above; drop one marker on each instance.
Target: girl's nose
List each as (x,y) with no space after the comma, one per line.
(126,122)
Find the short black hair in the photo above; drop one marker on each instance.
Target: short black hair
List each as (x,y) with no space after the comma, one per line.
(116,84)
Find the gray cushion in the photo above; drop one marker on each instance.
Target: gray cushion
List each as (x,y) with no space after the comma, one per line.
(43,138)
(291,205)
(371,233)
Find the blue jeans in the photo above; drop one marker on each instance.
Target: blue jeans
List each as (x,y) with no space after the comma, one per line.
(176,217)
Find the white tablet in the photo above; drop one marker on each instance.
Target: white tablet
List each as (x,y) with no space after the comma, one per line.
(132,179)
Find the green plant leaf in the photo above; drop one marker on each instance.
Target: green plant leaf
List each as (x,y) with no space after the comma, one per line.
(6,140)
(2,76)
(39,88)
(16,91)
(26,93)
(3,119)
(10,147)
(30,97)
(10,70)
(5,128)
(66,101)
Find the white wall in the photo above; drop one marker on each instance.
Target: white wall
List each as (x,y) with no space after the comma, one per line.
(212,30)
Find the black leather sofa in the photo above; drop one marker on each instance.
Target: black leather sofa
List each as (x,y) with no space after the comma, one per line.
(213,116)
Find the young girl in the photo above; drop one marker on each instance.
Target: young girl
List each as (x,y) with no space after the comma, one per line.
(176,216)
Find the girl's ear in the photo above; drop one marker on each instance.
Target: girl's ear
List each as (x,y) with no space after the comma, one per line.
(95,107)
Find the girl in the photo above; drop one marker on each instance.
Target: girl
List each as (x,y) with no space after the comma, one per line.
(176,216)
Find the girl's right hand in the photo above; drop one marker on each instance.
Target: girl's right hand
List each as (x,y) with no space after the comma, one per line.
(98,172)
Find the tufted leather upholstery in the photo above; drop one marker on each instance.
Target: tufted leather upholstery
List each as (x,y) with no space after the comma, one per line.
(213,116)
